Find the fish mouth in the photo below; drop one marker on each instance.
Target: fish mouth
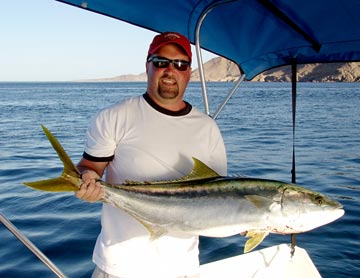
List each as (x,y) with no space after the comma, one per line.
(341,211)
(336,213)
(338,205)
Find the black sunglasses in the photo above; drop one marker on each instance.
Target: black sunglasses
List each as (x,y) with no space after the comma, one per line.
(161,62)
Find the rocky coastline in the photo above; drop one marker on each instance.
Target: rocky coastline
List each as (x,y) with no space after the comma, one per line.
(222,70)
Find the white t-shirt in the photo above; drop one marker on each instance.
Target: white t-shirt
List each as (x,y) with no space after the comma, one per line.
(146,142)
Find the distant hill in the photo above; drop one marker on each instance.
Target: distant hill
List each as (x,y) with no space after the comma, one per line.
(120,78)
(221,69)
(331,72)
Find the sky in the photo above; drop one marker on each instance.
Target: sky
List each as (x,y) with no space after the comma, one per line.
(45,40)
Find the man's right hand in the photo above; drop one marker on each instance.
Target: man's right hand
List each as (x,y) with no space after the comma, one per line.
(90,190)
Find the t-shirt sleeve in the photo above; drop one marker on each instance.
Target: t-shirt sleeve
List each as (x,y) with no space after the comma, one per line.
(101,143)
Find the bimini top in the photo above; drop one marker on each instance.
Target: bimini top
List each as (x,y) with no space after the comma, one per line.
(255,34)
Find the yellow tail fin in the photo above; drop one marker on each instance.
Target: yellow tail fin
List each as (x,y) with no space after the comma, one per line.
(70,178)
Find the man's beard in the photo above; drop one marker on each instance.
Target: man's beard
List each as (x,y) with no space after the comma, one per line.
(167,91)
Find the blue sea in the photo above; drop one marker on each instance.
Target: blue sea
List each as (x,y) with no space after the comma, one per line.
(257,129)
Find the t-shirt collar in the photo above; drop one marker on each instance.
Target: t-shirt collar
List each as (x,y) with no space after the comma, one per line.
(186,110)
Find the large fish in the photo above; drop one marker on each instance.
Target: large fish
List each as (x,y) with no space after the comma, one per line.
(204,203)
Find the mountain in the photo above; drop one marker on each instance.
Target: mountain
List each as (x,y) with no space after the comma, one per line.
(120,78)
(217,69)
(220,69)
(333,72)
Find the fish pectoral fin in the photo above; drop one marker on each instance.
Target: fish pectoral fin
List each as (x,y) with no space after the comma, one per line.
(255,238)
(260,202)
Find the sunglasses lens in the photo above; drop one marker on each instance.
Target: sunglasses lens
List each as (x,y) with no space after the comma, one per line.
(160,62)
(180,65)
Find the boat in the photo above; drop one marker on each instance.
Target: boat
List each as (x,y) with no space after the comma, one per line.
(275,261)
(257,35)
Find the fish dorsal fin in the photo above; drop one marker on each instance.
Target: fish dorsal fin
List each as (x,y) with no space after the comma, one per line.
(200,171)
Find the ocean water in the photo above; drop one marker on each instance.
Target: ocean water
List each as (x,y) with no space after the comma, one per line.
(257,129)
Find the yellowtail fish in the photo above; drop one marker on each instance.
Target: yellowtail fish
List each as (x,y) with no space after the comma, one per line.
(204,203)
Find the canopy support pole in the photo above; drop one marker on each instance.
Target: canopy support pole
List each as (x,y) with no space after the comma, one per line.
(200,60)
(198,51)
(293,170)
(230,94)
(11,227)
(293,92)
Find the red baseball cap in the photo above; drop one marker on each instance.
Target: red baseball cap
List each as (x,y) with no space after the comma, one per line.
(167,38)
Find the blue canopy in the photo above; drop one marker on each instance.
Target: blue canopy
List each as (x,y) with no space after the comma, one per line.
(255,34)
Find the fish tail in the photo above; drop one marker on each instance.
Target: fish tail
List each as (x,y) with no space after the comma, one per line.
(70,178)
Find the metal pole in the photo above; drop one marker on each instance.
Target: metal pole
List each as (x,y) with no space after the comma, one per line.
(198,49)
(11,227)
(293,170)
(200,61)
(230,94)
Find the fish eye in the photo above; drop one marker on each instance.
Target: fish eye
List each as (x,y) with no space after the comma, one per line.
(319,200)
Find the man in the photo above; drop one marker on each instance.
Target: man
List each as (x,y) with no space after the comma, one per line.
(150,137)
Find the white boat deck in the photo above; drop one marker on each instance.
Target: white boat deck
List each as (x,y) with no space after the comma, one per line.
(274,261)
